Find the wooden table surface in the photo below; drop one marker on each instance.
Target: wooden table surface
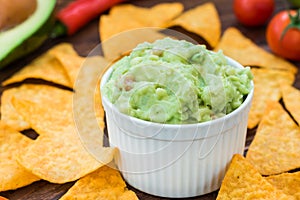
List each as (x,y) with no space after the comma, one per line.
(84,41)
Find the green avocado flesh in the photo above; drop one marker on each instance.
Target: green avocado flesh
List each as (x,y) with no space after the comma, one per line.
(176,82)
(27,36)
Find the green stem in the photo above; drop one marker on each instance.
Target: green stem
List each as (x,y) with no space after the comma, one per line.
(59,29)
(295,23)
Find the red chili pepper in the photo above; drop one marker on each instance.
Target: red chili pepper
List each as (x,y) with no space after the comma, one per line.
(80,12)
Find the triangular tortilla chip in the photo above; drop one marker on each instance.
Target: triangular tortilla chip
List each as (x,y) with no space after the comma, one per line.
(127,16)
(289,183)
(266,87)
(275,147)
(87,91)
(203,20)
(66,48)
(43,94)
(99,64)
(8,112)
(45,67)
(291,99)
(99,110)
(71,64)
(155,16)
(104,183)
(237,46)
(58,154)
(129,39)
(13,175)
(243,181)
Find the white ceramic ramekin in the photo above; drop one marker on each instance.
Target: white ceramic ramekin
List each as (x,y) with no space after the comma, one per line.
(176,160)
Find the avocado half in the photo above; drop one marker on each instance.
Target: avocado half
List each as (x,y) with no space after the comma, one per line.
(29,35)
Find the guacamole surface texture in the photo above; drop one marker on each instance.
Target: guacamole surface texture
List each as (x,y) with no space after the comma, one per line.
(176,82)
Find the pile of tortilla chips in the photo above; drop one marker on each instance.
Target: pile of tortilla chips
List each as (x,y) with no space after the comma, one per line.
(243,181)
(274,151)
(127,25)
(65,111)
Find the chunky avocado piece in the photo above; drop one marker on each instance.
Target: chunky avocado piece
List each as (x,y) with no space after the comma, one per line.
(29,35)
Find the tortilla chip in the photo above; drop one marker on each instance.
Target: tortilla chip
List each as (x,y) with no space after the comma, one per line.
(129,40)
(8,112)
(99,110)
(43,94)
(291,99)
(87,105)
(105,183)
(13,175)
(111,26)
(266,87)
(243,181)
(203,20)
(159,14)
(275,147)
(66,48)
(237,46)
(289,183)
(71,64)
(58,154)
(127,16)
(45,67)
(87,90)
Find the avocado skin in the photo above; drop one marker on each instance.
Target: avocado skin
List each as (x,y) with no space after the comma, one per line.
(31,43)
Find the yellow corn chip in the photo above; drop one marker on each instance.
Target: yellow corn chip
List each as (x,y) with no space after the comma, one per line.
(58,154)
(275,147)
(87,90)
(44,94)
(45,67)
(237,46)
(159,14)
(104,183)
(99,110)
(243,181)
(266,87)
(66,48)
(203,20)
(13,175)
(110,26)
(129,40)
(87,105)
(126,17)
(71,64)
(8,112)
(289,183)
(291,99)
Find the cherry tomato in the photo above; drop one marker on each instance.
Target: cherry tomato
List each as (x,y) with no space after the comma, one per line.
(285,44)
(253,12)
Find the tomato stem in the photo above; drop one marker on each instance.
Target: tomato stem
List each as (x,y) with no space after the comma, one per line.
(294,23)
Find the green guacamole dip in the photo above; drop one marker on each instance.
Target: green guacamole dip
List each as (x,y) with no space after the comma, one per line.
(175,82)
